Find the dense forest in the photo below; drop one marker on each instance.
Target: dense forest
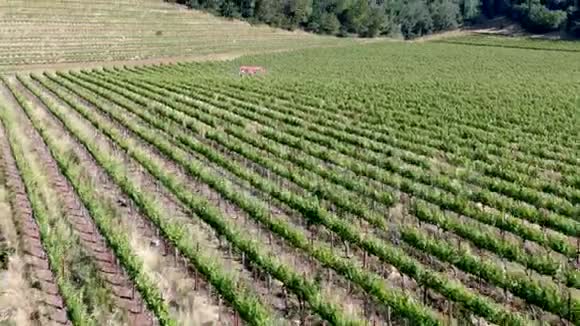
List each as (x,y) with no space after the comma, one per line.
(409,18)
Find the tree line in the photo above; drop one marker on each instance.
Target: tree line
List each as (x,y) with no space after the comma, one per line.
(409,18)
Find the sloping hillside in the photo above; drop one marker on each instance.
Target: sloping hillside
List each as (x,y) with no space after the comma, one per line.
(49,32)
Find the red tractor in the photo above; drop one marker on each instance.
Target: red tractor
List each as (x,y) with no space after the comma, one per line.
(251,70)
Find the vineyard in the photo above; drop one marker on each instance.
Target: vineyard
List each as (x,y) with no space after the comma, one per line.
(387,184)
(64,33)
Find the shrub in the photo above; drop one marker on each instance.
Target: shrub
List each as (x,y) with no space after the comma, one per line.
(445,15)
(538,19)
(329,24)
(415,19)
(574,24)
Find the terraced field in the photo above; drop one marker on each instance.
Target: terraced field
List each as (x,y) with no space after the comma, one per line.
(48,33)
(385,184)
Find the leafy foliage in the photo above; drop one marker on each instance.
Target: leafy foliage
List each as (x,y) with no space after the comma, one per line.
(412,18)
(538,18)
(574,24)
(415,19)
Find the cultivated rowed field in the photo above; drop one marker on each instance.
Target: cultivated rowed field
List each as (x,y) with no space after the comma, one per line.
(57,34)
(384,184)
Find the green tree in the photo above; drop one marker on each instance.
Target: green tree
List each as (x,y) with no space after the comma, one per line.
(247,8)
(487,8)
(415,19)
(470,9)
(329,24)
(356,16)
(211,5)
(536,18)
(298,11)
(574,20)
(228,9)
(267,10)
(376,23)
(445,15)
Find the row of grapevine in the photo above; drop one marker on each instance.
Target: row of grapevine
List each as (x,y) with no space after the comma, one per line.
(32,241)
(293,281)
(427,121)
(378,248)
(540,263)
(348,191)
(428,138)
(534,299)
(102,215)
(445,200)
(246,302)
(323,118)
(508,189)
(364,279)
